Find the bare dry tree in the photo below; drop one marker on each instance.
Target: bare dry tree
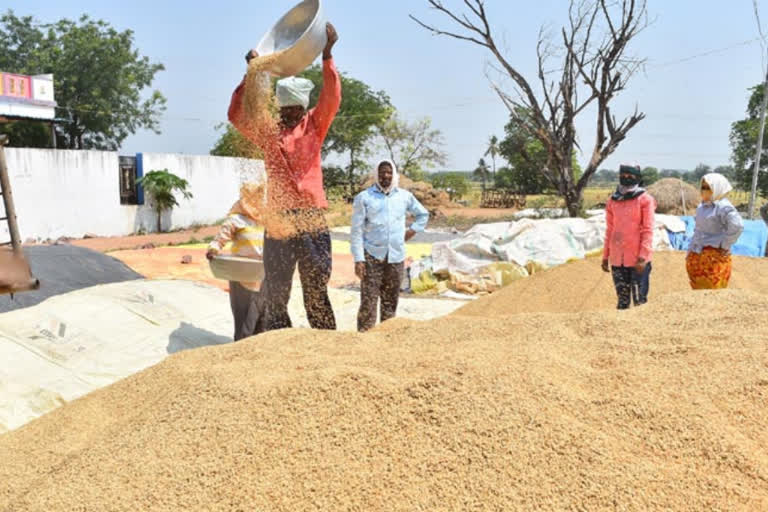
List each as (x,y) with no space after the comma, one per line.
(594,68)
(412,146)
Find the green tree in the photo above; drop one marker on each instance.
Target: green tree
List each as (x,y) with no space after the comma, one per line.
(27,134)
(671,173)
(362,112)
(699,172)
(99,76)
(455,183)
(334,177)
(744,134)
(233,143)
(651,175)
(726,170)
(414,147)
(482,171)
(526,156)
(493,151)
(607,176)
(162,186)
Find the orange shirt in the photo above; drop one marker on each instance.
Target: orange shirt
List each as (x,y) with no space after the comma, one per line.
(629,231)
(294,163)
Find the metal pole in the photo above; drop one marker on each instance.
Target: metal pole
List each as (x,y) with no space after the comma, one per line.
(759,152)
(5,185)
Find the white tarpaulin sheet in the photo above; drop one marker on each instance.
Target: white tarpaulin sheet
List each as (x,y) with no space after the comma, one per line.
(73,344)
(82,341)
(547,242)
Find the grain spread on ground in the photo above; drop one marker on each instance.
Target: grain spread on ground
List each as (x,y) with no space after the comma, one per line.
(661,407)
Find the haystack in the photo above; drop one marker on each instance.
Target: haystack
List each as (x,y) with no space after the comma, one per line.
(674,197)
(432,198)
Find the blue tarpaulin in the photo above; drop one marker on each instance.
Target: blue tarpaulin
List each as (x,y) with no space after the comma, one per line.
(752,242)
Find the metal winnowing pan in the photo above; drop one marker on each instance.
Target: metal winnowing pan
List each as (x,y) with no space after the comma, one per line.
(15,275)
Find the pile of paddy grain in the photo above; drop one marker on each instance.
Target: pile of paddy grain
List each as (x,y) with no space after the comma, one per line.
(675,197)
(583,286)
(661,407)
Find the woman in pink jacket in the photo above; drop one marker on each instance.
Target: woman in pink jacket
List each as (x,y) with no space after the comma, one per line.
(628,249)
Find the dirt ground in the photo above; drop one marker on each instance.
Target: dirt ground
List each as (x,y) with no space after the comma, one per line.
(479,213)
(116,243)
(165,263)
(340,212)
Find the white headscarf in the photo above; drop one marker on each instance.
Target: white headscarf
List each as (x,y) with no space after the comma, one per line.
(719,184)
(294,91)
(395,175)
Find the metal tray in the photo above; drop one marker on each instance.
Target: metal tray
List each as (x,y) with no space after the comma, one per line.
(299,37)
(234,268)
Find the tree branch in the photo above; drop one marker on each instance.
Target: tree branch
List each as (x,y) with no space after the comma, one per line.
(595,69)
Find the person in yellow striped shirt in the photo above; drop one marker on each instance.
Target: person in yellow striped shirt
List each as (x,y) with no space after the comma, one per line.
(242,230)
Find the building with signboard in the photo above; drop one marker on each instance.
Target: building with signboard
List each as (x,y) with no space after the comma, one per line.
(27,98)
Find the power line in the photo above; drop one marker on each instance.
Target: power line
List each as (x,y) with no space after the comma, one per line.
(706,53)
(474,101)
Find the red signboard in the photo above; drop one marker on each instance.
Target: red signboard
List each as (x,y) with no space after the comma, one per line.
(16,86)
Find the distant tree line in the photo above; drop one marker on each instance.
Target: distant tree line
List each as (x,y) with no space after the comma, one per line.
(607,177)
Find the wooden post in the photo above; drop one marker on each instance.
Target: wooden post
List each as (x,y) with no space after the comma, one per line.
(5,190)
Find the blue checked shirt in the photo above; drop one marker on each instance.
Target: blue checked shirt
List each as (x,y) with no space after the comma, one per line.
(378,223)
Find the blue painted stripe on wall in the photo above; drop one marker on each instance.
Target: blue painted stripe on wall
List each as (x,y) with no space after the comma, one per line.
(139,175)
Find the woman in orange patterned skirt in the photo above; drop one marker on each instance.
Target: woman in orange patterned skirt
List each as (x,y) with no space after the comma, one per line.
(718,227)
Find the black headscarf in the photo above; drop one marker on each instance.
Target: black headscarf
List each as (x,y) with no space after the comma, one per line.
(633,190)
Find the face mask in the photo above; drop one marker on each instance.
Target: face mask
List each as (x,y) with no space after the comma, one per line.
(629,182)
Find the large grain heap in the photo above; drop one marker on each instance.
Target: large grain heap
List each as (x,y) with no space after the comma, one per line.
(583,286)
(662,407)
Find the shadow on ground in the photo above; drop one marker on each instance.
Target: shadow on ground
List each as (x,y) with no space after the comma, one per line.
(188,337)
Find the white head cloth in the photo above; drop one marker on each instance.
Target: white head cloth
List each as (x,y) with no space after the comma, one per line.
(294,91)
(719,184)
(395,175)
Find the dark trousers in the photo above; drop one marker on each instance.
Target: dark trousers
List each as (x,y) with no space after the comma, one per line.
(382,281)
(631,286)
(312,253)
(247,310)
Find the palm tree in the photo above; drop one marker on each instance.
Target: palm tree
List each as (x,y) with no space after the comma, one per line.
(493,151)
(482,171)
(161,185)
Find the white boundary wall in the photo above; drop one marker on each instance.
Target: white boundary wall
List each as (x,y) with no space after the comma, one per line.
(62,193)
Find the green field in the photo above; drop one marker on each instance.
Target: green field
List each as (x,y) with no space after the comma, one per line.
(592,196)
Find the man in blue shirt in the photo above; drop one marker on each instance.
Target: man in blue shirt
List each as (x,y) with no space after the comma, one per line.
(378,242)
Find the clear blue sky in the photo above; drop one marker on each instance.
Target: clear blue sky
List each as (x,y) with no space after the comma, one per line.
(690,105)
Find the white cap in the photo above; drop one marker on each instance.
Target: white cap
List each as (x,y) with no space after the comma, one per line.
(294,91)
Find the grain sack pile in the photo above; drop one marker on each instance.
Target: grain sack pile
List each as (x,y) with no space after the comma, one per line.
(661,407)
